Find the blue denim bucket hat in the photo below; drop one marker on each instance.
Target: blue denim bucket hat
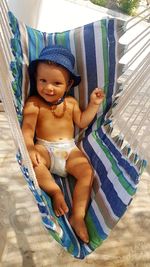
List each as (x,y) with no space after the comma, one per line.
(57,54)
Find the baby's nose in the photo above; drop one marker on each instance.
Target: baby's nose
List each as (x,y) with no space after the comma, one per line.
(49,87)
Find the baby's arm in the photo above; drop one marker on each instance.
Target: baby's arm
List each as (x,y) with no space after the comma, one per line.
(83,119)
(30,115)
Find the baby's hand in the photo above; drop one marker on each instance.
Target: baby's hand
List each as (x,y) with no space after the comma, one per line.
(35,157)
(97,96)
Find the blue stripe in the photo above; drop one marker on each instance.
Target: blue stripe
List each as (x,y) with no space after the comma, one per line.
(49,39)
(91,67)
(121,161)
(112,197)
(31,44)
(35,43)
(112,62)
(114,151)
(67,39)
(90,56)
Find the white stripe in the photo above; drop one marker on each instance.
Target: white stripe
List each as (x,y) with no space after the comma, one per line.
(99,64)
(87,248)
(73,50)
(122,193)
(99,54)
(84,64)
(53,38)
(44,214)
(41,203)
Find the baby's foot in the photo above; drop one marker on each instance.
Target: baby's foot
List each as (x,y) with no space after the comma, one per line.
(78,224)
(59,204)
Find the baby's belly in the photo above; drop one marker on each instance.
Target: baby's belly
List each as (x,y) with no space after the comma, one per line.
(55,133)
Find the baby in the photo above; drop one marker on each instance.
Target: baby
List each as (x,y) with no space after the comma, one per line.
(49,116)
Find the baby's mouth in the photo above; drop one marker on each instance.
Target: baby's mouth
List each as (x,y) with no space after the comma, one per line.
(51,94)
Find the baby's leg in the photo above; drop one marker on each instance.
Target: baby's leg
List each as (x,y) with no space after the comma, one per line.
(47,183)
(78,166)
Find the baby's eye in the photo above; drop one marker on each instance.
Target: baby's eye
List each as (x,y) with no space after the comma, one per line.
(43,80)
(57,83)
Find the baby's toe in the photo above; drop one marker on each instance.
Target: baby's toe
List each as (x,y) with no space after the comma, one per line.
(64,207)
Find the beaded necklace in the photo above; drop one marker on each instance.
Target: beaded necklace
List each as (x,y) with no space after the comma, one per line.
(54,107)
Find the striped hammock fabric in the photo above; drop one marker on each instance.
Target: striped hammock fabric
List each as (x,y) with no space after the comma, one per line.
(97,52)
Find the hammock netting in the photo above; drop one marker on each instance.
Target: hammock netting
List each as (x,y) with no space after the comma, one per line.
(97,52)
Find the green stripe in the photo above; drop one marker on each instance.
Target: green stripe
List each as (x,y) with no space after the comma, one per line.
(54,235)
(131,191)
(95,239)
(71,248)
(36,43)
(61,38)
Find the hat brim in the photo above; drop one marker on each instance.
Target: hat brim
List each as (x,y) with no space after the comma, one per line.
(33,65)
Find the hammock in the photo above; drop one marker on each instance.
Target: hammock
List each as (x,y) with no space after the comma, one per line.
(117,167)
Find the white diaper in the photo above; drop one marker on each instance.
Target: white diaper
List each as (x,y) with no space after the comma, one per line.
(59,152)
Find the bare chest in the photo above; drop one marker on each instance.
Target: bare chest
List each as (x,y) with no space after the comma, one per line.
(55,122)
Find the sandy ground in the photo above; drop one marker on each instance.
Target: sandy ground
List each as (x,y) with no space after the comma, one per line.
(24,241)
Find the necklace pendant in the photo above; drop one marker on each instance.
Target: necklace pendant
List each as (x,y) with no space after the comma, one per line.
(53,110)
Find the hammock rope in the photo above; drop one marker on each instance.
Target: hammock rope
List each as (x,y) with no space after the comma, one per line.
(136,96)
(6,57)
(127,95)
(139,38)
(8,101)
(138,54)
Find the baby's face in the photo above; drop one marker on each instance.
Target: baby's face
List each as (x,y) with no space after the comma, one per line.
(52,81)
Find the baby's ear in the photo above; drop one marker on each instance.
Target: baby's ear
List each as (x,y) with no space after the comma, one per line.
(70,83)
